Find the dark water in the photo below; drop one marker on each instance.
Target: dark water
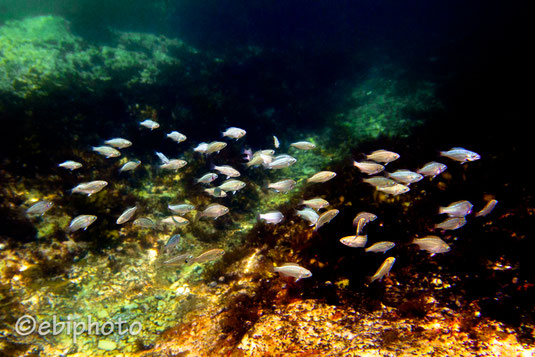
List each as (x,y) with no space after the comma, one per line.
(456,72)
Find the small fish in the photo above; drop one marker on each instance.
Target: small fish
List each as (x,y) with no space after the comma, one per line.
(174,221)
(126,215)
(255,161)
(90,188)
(380,247)
(451,223)
(130,165)
(487,209)
(379,181)
(457,209)
(234,133)
(355,241)
(268,152)
(179,259)
(432,169)
(232,185)
(322,176)
(202,147)
(227,170)
(181,208)
(303,145)
(39,208)
(309,215)
(276,142)
(214,210)
(395,190)
(405,177)
(71,165)
(107,151)
(367,216)
(282,186)
(164,159)
(281,162)
(315,203)
(176,136)
(383,156)
(432,244)
(144,222)
(119,143)
(215,146)
(172,243)
(174,164)
(460,154)
(207,178)
(208,255)
(370,168)
(81,222)
(215,192)
(325,217)
(383,270)
(149,124)
(274,217)
(293,270)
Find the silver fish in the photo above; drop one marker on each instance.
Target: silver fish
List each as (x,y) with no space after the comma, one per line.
(179,259)
(355,241)
(405,177)
(457,209)
(164,159)
(367,216)
(71,165)
(181,208)
(232,185)
(90,188)
(432,244)
(379,181)
(432,169)
(383,270)
(172,242)
(315,203)
(174,164)
(149,124)
(214,210)
(268,152)
(144,222)
(303,145)
(255,161)
(174,221)
(274,217)
(309,214)
(227,170)
(276,142)
(39,208)
(215,146)
(208,255)
(487,209)
(460,154)
(176,136)
(383,156)
(451,223)
(202,147)
(370,168)
(234,133)
(283,185)
(395,190)
(107,151)
(325,217)
(293,270)
(322,176)
(380,247)
(281,162)
(215,192)
(126,215)
(130,165)
(207,178)
(81,222)
(119,143)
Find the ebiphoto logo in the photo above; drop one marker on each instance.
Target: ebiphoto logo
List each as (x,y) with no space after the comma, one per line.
(27,324)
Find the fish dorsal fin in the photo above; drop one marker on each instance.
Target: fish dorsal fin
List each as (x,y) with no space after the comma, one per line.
(458,148)
(289,265)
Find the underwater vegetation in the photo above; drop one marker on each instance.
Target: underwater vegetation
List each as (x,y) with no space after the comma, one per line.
(253,201)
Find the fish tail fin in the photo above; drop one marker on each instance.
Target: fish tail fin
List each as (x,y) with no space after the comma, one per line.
(441,210)
(370,279)
(442,153)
